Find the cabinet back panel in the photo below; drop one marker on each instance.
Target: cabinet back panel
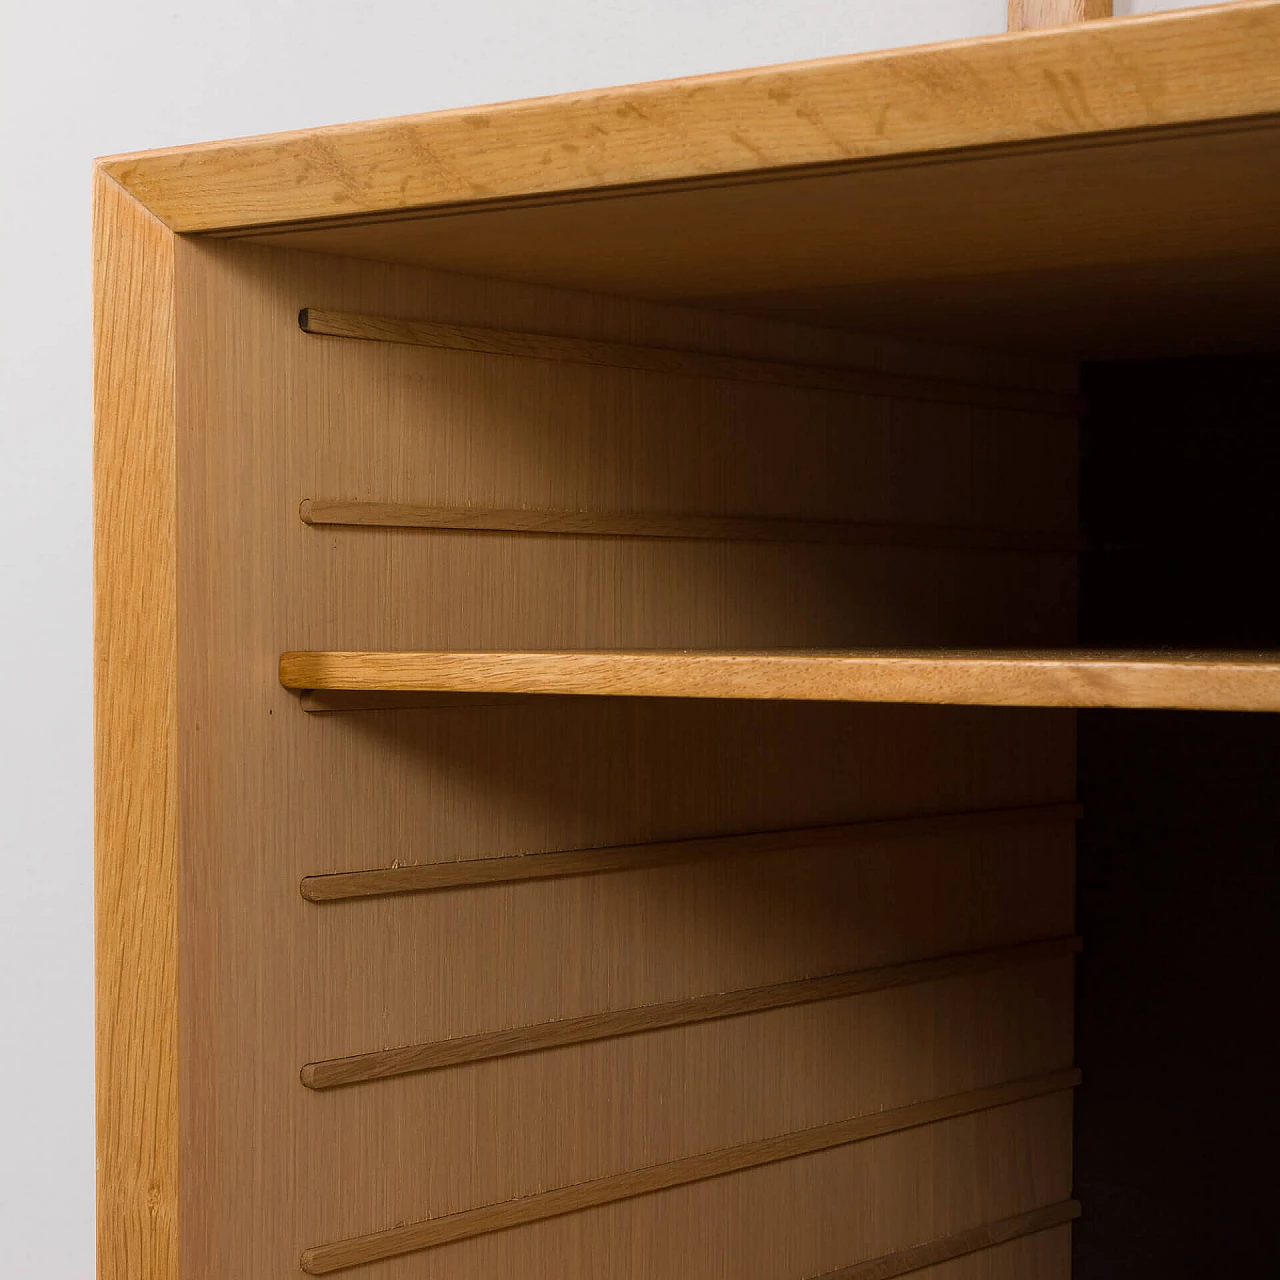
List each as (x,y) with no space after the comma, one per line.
(269,416)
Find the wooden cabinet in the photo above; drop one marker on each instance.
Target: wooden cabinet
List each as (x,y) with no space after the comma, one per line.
(586,656)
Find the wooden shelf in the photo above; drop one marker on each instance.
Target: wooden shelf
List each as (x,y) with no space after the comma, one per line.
(985,677)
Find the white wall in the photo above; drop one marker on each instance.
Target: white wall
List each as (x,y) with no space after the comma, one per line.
(90,77)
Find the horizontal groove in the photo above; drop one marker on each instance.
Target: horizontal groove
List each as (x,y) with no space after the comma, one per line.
(671,360)
(408,515)
(904,1261)
(432,1232)
(343,886)
(331,1073)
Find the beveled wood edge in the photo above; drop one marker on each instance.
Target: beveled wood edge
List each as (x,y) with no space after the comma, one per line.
(1137,73)
(1210,127)
(429,877)
(434,1055)
(429,1233)
(943,1249)
(680,362)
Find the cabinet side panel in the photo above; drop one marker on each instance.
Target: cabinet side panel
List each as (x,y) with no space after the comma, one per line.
(135,726)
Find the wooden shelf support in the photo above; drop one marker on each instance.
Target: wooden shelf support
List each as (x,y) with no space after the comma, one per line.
(932,1252)
(384,1064)
(692,364)
(432,877)
(430,1233)
(694,528)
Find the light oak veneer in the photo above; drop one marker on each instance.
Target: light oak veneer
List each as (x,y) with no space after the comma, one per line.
(1104,187)
(761,361)
(137,796)
(1029,15)
(432,1233)
(1009,678)
(432,877)
(382,1064)
(1179,68)
(269,796)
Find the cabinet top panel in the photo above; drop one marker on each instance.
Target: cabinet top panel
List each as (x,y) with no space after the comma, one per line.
(1066,85)
(1106,189)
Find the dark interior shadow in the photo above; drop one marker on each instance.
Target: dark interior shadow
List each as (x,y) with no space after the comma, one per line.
(1178,1119)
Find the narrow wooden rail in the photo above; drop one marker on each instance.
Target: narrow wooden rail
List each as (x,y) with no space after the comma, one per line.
(429,1233)
(693,528)
(342,886)
(976,677)
(382,1064)
(671,360)
(328,701)
(904,1261)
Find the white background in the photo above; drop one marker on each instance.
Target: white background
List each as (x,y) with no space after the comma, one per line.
(90,77)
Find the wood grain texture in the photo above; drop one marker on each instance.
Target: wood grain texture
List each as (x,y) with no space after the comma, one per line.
(710,528)
(327,702)
(543,1120)
(1212,64)
(270,795)
(431,1233)
(933,1252)
(1163,241)
(1027,678)
(432,877)
(668,360)
(384,1063)
(1030,15)
(135,741)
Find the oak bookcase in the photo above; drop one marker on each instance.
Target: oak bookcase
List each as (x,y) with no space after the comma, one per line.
(586,656)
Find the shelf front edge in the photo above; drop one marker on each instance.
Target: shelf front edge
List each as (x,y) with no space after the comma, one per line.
(1035,678)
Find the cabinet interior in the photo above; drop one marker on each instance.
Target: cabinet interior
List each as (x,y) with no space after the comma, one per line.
(609,682)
